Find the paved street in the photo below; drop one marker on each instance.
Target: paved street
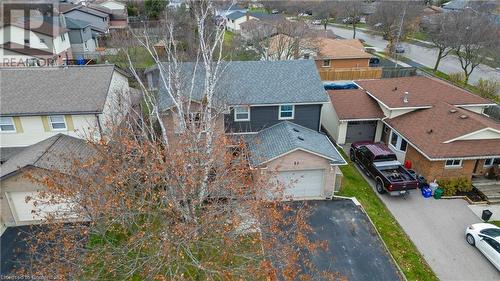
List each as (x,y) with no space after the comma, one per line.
(437,228)
(422,55)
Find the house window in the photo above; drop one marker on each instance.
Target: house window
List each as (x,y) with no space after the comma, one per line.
(398,142)
(26,41)
(63,37)
(306,56)
(242,113)
(7,124)
(42,40)
(491,162)
(326,63)
(286,112)
(453,163)
(194,118)
(57,122)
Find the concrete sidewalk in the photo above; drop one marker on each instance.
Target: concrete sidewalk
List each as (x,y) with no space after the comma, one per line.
(478,211)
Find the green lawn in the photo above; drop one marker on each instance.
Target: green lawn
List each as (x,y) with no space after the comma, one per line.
(405,253)
(497,223)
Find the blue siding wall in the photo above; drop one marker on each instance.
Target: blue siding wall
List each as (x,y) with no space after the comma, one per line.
(265,116)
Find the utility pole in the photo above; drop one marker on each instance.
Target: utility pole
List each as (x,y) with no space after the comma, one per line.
(399,34)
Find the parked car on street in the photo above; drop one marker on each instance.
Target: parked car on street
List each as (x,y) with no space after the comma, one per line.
(381,164)
(399,49)
(486,238)
(316,22)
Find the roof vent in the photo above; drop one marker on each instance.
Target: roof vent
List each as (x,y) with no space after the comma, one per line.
(463,116)
(452,110)
(395,89)
(429,131)
(300,138)
(405,98)
(296,130)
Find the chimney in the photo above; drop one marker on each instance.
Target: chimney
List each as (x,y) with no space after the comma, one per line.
(405,98)
(248,15)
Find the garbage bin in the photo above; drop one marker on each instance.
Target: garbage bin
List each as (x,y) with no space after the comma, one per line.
(433,186)
(438,193)
(486,215)
(426,192)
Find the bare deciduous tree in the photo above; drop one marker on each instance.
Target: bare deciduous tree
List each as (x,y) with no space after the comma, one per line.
(440,33)
(351,11)
(184,207)
(281,40)
(396,19)
(474,36)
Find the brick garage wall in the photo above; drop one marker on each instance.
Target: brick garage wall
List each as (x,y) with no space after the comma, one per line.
(435,169)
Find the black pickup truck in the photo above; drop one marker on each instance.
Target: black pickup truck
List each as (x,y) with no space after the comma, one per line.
(380,163)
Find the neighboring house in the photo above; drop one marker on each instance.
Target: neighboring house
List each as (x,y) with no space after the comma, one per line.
(113,5)
(255,99)
(98,20)
(340,53)
(118,18)
(48,41)
(438,129)
(234,20)
(80,101)
(225,10)
(80,37)
(54,154)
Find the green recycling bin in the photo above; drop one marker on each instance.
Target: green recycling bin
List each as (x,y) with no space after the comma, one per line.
(438,193)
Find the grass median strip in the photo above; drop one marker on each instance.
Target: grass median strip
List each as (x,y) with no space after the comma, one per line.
(404,251)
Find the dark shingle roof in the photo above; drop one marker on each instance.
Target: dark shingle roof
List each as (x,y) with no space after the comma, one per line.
(286,137)
(54,153)
(256,82)
(8,152)
(48,90)
(267,17)
(235,15)
(76,24)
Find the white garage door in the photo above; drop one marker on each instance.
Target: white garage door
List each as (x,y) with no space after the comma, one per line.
(27,211)
(304,184)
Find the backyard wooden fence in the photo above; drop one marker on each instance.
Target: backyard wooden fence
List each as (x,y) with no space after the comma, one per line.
(351,73)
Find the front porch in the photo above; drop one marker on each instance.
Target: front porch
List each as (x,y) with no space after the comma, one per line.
(490,188)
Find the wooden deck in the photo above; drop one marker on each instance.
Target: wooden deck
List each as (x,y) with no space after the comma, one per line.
(489,188)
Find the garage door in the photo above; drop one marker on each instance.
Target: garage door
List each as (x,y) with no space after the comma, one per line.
(25,212)
(360,131)
(304,184)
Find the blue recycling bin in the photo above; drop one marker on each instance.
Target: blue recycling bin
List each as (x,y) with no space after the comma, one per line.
(426,192)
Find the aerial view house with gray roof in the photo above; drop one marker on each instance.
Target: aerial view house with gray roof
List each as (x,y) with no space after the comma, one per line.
(275,106)
(55,154)
(47,43)
(80,37)
(99,21)
(80,101)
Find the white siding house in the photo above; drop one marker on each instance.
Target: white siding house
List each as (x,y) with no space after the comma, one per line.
(80,101)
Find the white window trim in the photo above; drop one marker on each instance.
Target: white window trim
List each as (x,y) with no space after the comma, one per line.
(453,166)
(398,142)
(236,119)
(492,161)
(13,124)
(286,118)
(64,120)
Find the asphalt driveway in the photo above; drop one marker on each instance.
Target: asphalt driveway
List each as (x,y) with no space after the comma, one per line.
(437,227)
(355,250)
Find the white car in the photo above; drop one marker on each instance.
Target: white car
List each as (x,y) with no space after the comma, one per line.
(486,237)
